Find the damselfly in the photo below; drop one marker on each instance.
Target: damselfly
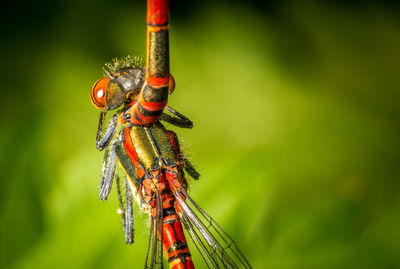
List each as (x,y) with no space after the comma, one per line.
(151,157)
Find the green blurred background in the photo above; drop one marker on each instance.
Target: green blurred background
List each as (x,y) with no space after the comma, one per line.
(296,112)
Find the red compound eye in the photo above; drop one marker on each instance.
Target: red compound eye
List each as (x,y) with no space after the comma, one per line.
(98,94)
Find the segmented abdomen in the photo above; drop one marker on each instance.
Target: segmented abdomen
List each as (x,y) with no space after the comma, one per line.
(154,94)
(144,150)
(175,245)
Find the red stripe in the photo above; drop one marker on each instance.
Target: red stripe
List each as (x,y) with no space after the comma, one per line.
(168,236)
(172,233)
(153,106)
(143,119)
(172,140)
(130,148)
(157,12)
(157,81)
(189,265)
(179,231)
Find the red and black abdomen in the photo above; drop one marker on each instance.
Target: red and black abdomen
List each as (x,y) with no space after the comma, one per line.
(175,245)
(154,94)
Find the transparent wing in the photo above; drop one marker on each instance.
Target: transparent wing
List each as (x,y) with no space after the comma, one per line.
(215,246)
(154,256)
(126,210)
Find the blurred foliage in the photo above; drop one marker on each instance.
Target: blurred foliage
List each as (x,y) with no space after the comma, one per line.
(296,111)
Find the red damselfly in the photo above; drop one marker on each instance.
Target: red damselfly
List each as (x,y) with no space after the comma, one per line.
(151,157)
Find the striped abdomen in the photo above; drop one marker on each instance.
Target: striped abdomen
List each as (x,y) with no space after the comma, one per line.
(175,245)
(154,94)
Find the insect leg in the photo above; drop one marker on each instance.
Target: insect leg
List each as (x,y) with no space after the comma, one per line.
(186,163)
(177,119)
(121,209)
(128,228)
(189,168)
(104,167)
(109,171)
(125,211)
(102,142)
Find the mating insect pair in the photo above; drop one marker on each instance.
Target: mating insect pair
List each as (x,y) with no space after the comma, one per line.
(154,165)
(151,158)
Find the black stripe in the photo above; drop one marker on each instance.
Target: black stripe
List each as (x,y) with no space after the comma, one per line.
(148,113)
(168,212)
(171,171)
(181,255)
(151,94)
(159,25)
(137,117)
(159,53)
(170,222)
(166,191)
(177,246)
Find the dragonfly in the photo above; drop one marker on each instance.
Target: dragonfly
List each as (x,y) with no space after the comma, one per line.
(151,158)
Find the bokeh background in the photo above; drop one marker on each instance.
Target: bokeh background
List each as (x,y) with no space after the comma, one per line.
(296,112)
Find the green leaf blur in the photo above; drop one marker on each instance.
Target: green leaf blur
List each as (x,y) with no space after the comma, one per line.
(296,112)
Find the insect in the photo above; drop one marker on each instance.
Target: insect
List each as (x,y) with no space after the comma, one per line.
(151,157)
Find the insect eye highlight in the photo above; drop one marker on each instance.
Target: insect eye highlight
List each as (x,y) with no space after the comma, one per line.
(98,93)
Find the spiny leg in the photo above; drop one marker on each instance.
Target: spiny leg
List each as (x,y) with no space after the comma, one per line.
(109,171)
(125,211)
(121,209)
(102,142)
(104,167)
(189,168)
(129,222)
(177,119)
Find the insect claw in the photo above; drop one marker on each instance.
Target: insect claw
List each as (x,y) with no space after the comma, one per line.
(126,116)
